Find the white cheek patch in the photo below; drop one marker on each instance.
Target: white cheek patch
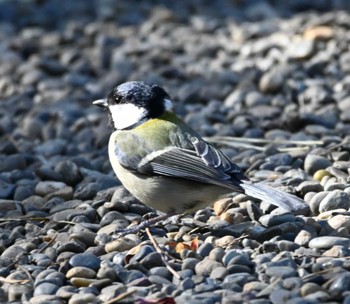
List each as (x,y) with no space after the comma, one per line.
(126,115)
(168,104)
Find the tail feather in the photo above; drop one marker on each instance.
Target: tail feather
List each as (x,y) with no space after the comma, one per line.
(274,196)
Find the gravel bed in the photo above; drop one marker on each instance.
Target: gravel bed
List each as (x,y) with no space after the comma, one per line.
(276,71)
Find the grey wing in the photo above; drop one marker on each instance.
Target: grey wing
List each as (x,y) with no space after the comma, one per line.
(188,164)
(213,157)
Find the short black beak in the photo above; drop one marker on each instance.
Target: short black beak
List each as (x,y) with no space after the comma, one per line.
(101,103)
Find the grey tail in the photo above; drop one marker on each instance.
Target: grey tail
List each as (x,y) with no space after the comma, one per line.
(274,196)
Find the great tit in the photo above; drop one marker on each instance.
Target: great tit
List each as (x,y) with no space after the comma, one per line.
(166,164)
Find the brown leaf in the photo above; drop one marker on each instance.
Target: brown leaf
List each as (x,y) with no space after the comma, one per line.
(132,252)
(195,244)
(182,245)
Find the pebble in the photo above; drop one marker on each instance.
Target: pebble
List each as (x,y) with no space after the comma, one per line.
(269,220)
(206,266)
(281,272)
(309,186)
(326,242)
(82,272)
(302,49)
(219,273)
(38,299)
(87,260)
(205,249)
(45,289)
(83,298)
(316,201)
(314,163)
(336,199)
(272,81)
(47,187)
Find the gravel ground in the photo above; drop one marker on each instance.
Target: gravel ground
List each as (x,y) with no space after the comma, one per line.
(273,71)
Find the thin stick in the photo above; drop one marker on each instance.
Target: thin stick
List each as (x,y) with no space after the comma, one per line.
(157,248)
(263,141)
(120,297)
(48,243)
(121,232)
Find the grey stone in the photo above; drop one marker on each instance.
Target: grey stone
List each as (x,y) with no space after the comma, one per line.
(85,260)
(309,186)
(281,271)
(316,201)
(6,189)
(335,200)
(206,266)
(205,249)
(314,163)
(326,242)
(45,289)
(269,220)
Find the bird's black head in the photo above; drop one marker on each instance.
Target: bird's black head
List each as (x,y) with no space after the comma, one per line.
(134,102)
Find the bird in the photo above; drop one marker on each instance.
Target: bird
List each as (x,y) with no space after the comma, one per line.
(166,164)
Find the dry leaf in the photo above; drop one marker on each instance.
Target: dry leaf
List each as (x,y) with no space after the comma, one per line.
(319,33)
(132,252)
(182,245)
(195,244)
(12,281)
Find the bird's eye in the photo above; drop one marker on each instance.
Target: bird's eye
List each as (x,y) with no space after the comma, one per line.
(118,99)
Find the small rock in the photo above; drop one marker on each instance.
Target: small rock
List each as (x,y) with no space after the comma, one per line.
(83,298)
(39,299)
(82,282)
(320,174)
(120,245)
(44,188)
(309,186)
(339,221)
(81,272)
(304,236)
(316,201)
(272,81)
(219,273)
(205,249)
(6,189)
(222,205)
(281,272)
(269,220)
(69,171)
(206,266)
(326,242)
(87,260)
(314,163)
(336,199)
(45,289)
(302,49)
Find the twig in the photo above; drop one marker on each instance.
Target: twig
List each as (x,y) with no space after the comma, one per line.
(157,248)
(120,297)
(147,223)
(25,219)
(12,281)
(27,273)
(252,143)
(219,139)
(48,244)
